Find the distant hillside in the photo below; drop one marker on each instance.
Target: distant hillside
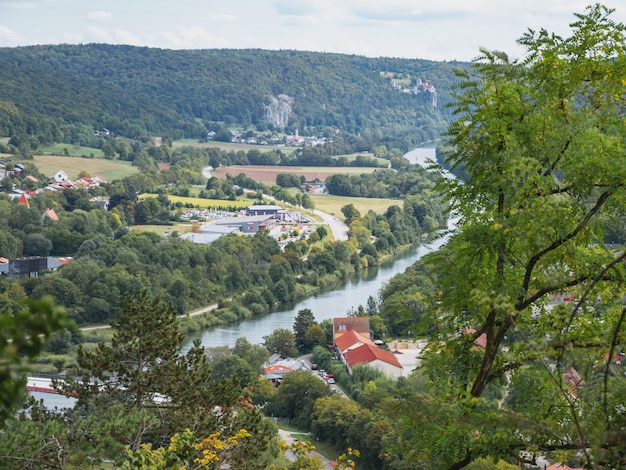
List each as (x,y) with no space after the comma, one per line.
(61,92)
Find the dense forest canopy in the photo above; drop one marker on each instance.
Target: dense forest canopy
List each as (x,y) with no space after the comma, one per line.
(59,92)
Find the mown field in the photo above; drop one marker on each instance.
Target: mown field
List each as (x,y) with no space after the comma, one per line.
(108,169)
(332,204)
(72,151)
(161,229)
(267,174)
(203,203)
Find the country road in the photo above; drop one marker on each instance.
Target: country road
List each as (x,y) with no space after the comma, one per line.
(193,313)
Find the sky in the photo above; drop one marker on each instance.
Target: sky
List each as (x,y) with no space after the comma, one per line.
(439,30)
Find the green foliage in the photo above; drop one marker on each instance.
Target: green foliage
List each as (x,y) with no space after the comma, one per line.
(282,342)
(541,145)
(23,334)
(303,321)
(295,398)
(186,93)
(161,391)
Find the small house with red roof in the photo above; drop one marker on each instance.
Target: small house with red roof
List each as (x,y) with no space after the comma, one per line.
(23,201)
(351,340)
(88,182)
(480,340)
(372,355)
(354,346)
(360,325)
(49,214)
(560,466)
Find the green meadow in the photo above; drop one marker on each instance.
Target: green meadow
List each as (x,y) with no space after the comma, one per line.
(332,204)
(109,169)
(203,203)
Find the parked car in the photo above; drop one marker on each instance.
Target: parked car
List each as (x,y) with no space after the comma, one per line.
(313,366)
(330,378)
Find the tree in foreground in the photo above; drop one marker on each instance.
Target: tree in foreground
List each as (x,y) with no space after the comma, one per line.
(23,333)
(161,390)
(542,144)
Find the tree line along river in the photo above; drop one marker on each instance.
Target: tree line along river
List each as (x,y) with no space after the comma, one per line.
(324,305)
(336,302)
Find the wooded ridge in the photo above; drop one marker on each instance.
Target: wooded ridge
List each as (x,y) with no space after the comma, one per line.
(59,92)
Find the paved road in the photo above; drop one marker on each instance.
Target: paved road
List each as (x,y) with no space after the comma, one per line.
(339,229)
(287,437)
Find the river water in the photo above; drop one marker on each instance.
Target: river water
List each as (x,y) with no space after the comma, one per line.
(325,305)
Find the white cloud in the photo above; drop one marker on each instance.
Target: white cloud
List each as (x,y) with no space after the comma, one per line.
(99,15)
(191,37)
(8,35)
(99,34)
(222,18)
(436,29)
(126,37)
(21,5)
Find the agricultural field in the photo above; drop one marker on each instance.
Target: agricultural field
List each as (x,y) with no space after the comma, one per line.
(108,169)
(267,174)
(230,146)
(163,229)
(332,204)
(72,151)
(203,203)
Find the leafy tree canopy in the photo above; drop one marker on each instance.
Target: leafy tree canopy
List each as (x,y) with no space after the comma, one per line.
(541,143)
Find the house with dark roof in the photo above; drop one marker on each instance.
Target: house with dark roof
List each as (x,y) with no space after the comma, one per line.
(32,266)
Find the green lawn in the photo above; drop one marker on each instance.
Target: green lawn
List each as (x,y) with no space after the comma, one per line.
(332,204)
(352,156)
(72,150)
(108,169)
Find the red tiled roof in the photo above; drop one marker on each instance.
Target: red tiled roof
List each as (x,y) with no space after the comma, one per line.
(560,466)
(277,369)
(51,214)
(369,353)
(480,341)
(23,200)
(351,338)
(358,324)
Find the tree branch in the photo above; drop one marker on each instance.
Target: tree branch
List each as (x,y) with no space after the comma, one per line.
(561,241)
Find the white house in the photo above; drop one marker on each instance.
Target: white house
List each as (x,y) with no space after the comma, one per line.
(61,177)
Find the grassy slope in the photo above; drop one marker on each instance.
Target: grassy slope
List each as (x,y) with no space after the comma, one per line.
(108,169)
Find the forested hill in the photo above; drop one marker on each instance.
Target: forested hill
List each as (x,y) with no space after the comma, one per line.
(138,91)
